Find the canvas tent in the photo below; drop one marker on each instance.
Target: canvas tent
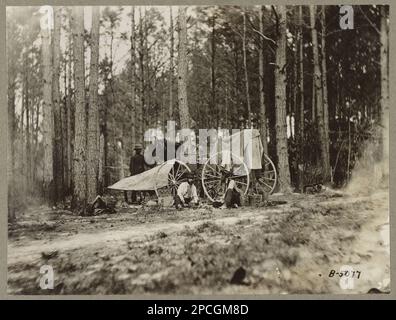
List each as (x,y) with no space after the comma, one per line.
(156,177)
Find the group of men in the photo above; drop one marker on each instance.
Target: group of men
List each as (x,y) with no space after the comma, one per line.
(186,194)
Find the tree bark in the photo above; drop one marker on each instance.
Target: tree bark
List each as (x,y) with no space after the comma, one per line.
(141,105)
(20,145)
(280,104)
(246,71)
(263,116)
(11,128)
(325,91)
(48,120)
(384,102)
(325,158)
(182,69)
(11,152)
(120,151)
(133,77)
(56,97)
(101,163)
(36,133)
(80,138)
(69,115)
(213,72)
(28,103)
(302,102)
(65,141)
(236,78)
(171,66)
(93,111)
(146,75)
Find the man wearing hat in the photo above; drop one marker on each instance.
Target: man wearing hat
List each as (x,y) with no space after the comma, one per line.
(186,193)
(136,166)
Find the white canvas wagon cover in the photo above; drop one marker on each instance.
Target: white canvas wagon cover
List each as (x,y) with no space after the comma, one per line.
(147,180)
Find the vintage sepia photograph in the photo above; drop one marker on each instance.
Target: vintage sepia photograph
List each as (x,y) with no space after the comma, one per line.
(198,150)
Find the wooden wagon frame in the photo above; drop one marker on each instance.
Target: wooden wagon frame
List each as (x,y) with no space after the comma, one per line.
(214,173)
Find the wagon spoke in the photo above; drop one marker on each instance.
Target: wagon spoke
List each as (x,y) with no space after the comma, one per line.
(183,171)
(177,171)
(213,182)
(237,177)
(270,179)
(270,171)
(266,161)
(217,172)
(171,174)
(215,186)
(240,182)
(215,190)
(267,185)
(211,176)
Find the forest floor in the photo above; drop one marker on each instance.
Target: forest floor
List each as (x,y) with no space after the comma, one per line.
(280,249)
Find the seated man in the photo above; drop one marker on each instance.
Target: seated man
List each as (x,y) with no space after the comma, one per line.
(186,193)
(232,197)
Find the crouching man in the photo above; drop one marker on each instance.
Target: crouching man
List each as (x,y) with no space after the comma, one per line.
(186,193)
(232,197)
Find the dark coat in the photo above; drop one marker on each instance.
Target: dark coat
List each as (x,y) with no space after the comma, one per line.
(136,164)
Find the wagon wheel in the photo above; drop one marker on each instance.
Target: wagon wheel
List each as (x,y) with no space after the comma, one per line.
(267,176)
(176,176)
(215,178)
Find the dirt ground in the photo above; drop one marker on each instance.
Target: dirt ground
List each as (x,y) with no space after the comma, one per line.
(279,249)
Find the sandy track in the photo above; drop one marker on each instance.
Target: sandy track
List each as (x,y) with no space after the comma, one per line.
(32,251)
(321,232)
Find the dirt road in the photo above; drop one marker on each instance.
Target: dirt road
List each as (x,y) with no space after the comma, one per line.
(289,248)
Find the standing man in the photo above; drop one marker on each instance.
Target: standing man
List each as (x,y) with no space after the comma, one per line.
(136,166)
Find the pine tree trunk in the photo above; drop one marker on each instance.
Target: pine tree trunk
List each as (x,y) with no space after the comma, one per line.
(21,176)
(34,94)
(280,104)
(384,102)
(58,155)
(101,164)
(236,75)
(314,102)
(120,152)
(226,107)
(133,77)
(325,91)
(263,116)
(111,110)
(146,75)
(325,159)
(11,133)
(80,138)
(28,137)
(171,67)
(302,102)
(11,153)
(48,120)
(65,141)
(246,72)
(213,72)
(182,69)
(141,105)
(69,114)
(293,116)
(93,111)
(36,133)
